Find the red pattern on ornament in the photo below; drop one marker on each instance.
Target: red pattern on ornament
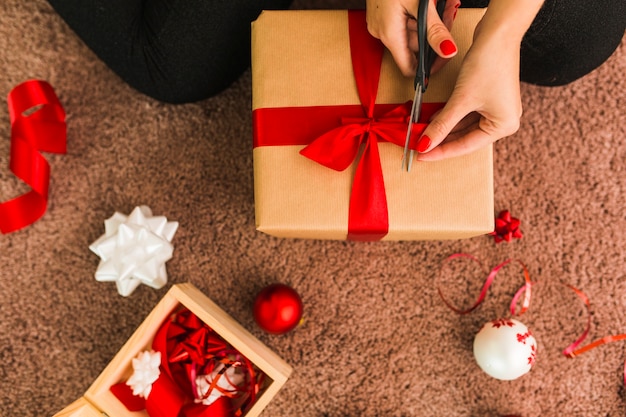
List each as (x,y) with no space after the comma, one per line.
(533,355)
(502,322)
(522,337)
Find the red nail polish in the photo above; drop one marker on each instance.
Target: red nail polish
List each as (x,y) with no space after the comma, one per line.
(423,144)
(447,47)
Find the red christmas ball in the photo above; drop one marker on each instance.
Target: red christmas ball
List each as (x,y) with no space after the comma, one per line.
(277,309)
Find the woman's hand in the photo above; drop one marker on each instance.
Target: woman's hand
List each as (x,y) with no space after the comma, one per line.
(394,23)
(485,105)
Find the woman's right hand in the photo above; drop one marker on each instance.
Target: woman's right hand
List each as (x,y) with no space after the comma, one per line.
(485,105)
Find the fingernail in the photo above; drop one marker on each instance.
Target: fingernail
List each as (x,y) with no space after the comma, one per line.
(447,47)
(423,144)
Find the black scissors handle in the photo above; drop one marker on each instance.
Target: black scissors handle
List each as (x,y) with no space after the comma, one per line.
(426,54)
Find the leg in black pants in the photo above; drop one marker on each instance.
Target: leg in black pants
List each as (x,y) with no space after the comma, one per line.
(186,50)
(172,50)
(568,39)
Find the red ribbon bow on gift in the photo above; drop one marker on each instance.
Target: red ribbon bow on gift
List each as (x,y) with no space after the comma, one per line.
(37,125)
(189,348)
(334,135)
(368,217)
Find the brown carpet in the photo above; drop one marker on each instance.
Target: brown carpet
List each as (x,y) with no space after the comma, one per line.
(377,340)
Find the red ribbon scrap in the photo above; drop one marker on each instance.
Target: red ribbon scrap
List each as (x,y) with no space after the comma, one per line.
(37,125)
(190,348)
(334,135)
(570,351)
(491,275)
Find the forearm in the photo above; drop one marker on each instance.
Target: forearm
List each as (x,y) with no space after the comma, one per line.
(509,19)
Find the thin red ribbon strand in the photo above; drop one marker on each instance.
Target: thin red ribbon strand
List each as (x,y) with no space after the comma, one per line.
(491,275)
(571,350)
(568,351)
(37,125)
(524,290)
(334,135)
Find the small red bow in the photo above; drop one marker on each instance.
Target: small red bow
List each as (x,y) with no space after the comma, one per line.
(507,227)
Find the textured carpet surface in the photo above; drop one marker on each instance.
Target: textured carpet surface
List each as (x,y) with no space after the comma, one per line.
(377,340)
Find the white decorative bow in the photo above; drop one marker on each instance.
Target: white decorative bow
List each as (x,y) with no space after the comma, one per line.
(134,249)
(145,372)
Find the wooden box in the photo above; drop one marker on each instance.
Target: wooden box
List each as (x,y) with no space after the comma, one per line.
(98,401)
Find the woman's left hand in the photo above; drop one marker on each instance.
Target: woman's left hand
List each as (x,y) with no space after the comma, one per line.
(394,22)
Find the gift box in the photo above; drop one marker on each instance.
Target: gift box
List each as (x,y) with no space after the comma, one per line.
(330,114)
(181,299)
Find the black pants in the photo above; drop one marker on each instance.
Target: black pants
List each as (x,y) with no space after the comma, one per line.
(186,50)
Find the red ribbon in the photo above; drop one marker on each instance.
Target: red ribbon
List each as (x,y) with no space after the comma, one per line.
(37,125)
(190,348)
(491,275)
(334,135)
(570,351)
(574,348)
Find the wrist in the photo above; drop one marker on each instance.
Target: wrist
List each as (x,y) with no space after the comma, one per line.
(508,20)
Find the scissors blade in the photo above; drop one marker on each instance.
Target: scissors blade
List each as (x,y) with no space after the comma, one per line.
(424,59)
(416,109)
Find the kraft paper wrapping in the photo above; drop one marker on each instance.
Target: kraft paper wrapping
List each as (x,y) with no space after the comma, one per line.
(302,58)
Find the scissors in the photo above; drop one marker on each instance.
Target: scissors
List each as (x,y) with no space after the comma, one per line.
(426,56)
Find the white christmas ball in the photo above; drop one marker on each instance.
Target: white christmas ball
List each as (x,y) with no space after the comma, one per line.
(505,349)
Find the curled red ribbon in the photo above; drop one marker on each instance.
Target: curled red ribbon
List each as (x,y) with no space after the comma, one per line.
(491,275)
(189,348)
(334,135)
(574,348)
(571,350)
(37,125)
